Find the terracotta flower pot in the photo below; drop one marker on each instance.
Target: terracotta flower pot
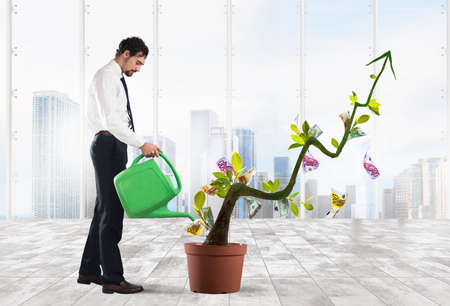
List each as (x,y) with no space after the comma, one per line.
(215,268)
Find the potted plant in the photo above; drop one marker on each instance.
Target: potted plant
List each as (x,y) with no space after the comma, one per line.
(215,266)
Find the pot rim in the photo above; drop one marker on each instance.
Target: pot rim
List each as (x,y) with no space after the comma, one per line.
(231,249)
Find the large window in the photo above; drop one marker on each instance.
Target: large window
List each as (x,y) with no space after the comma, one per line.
(338,42)
(266,46)
(46,109)
(412,130)
(192,78)
(208,100)
(107,23)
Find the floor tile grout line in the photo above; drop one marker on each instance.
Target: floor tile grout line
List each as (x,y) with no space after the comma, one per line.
(40,291)
(358,281)
(416,292)
(262,257)
(321,289)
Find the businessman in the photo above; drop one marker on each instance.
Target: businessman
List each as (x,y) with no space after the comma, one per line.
(108,115)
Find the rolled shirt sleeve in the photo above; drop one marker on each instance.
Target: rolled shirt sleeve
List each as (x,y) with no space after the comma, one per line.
(115,110)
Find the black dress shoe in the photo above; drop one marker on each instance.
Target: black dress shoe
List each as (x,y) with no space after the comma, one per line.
(123,287)
(87,279)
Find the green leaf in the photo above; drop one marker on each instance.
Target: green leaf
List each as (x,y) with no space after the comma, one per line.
(222,181)
(199,213)
(221,193)
(270,183)
(363,118)
(266,186)
(205,213)
(199,200)
(353,97)
(294,209)
(293,195)
(295,128)
(335,143)
(276,185)
(374,109)
(230,174)
(305,127)
(390,62)
(309,199)
(294,145)
(298,139)
(373,76)
(236,161)
(220,175)
(308,206)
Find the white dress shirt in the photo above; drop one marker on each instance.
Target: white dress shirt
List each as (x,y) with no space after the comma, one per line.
(106,107)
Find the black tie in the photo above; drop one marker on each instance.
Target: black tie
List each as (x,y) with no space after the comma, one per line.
(130,121)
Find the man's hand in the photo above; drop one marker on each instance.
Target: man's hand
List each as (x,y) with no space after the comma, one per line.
(150,150)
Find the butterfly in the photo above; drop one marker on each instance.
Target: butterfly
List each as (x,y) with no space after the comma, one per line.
(370,167)
(309,162)
(338,200)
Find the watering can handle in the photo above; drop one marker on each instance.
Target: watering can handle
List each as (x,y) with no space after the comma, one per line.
(170,165)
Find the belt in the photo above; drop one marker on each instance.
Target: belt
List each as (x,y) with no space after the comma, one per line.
(106,133)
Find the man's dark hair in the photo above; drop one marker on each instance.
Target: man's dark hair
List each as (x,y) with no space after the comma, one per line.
(134,45)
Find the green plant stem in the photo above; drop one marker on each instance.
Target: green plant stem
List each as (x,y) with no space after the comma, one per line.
(219,233)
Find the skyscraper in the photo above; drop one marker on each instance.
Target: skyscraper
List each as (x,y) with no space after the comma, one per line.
(311,191)
(266,210)
(55,166)
(200,126)
(282,170)
(324,205)
(388,204)
(402,194)
(442,209)
(246,148)
(346,211)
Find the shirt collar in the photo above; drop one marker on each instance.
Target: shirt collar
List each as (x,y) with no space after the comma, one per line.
(116,68)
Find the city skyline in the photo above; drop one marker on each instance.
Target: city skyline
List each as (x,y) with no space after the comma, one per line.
(417,191)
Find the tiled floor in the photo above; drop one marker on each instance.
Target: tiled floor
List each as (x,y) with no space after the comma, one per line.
(289,262)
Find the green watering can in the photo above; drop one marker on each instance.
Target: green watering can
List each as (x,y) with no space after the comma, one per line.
(144,190)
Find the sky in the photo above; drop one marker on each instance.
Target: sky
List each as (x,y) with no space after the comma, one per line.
(192,75)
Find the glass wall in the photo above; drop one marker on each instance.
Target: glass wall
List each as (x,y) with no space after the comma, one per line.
(413,122)
(4,90)
(56,52)
(107,23)
(338,41)
(265,76)
(192,78)
(46,109)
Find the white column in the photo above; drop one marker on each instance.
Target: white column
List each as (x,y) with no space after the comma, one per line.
(83,187)
(229,83)
(375,143)
(155,71)
(8,100)
(302,96)
(447,183)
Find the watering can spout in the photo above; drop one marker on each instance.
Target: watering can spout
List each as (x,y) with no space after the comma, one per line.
(164,212)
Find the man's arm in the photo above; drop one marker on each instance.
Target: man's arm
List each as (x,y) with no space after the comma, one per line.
(109,100)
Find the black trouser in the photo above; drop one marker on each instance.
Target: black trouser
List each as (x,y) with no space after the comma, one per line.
(109,156)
